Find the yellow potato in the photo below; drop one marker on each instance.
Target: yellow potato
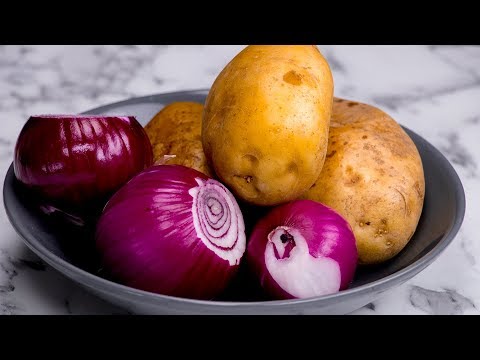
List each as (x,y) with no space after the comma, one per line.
(266,119)
(176,130)
(373,176)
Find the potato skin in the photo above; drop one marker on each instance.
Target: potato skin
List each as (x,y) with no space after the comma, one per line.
(176,130)
(373,176)
(266,120)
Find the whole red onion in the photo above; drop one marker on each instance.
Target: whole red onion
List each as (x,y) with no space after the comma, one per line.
(302,249)
(174,231)
(76,162)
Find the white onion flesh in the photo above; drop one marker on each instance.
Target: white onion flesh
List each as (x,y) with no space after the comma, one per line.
(299,273)
(212,211)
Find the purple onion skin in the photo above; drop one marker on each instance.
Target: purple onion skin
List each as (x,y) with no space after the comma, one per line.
(74,163)
(147,238)
(326,233)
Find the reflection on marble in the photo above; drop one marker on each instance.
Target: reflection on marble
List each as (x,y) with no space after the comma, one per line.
(433,90)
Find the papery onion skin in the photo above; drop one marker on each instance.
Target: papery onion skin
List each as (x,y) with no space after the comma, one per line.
(76,162)
(328,237)
(148,237)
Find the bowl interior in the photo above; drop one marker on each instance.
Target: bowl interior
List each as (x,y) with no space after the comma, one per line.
(442,212)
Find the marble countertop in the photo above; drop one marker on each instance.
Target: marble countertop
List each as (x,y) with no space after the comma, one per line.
(433,90)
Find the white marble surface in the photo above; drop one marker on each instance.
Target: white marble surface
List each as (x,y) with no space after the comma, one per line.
(434,90)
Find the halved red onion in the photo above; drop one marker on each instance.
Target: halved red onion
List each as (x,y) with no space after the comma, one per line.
(76,162)
(174,231)
(302,249)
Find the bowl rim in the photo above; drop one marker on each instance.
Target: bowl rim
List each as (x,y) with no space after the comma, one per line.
(97,282)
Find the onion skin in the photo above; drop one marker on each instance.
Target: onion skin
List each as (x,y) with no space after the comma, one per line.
(153,233)
(330,248)
(76,162)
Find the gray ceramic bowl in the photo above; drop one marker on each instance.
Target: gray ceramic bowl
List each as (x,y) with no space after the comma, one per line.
(441,219)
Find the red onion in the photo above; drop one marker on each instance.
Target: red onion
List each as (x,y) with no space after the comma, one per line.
(302,249)
(76,162)
(174,231)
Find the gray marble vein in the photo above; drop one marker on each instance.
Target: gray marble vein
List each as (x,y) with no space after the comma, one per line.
(10,267)
(8,307)
(433,90)
(8,271)
(393,102)
(445,302)
(474,120)
(458,153)
(464,58)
